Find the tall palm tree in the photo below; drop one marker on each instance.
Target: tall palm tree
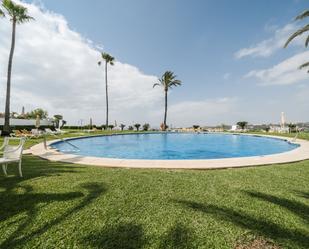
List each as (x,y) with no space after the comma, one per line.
(300,32)
(167,81)
(108,60)
(18,15)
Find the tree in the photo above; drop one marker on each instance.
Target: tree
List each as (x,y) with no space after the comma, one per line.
(146,127)
(266,128)
(18,15)
(195,127)
(242,124)
(111,127)
(167,81)
(63,124)
(292,128)
(108,60)
(57,118)
(137,126)
(130,128)
(104,127)
(122,126)
(37,112)
(299,33)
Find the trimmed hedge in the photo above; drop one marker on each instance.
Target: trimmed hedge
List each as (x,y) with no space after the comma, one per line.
(26,127)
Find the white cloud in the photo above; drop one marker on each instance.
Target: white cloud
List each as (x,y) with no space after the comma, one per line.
(56,68)
(210,111)
(284,73)
(271,45)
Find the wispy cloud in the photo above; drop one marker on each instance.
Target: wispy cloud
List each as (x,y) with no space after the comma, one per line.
(269,46)
(284,73)
(210,111)
(226,76)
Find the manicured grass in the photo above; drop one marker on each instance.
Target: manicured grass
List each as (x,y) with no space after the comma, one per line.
(58,205)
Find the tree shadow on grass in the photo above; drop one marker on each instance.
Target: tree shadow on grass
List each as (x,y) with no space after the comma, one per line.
(295,207)
(121,236)
(34,168)
(259,226)
(302,194)
(28,202)
(178,237)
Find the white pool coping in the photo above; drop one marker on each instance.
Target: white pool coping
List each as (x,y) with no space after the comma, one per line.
(299,154)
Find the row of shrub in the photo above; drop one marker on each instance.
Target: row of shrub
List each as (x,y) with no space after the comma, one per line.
(137,127)
(26,127)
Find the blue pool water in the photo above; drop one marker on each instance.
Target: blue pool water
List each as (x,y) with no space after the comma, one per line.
(175,146)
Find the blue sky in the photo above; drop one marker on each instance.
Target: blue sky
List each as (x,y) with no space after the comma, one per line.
(201,41)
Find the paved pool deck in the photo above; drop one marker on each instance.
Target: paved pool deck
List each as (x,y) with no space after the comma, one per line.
(299,154)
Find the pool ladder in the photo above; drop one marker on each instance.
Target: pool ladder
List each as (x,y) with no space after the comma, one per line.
(63,140)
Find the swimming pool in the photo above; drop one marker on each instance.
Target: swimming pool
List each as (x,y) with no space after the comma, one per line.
(174,146)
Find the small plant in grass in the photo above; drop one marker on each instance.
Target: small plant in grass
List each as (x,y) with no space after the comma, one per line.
(267,128)
(195,127)
(57,119)
(137,126)
(63,124)
(146,127)
(242,124)
(122,126)
(292,128)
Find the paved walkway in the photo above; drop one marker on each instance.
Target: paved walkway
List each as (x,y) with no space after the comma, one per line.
(298,154)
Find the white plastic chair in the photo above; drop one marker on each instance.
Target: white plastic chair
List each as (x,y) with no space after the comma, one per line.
(12,153)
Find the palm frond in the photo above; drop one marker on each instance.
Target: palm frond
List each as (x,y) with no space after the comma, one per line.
(302,15)
(307,41)
(168,80)
(156,84)
(304,65)
(2,13)
(108,58)
(297,33)
(18,13)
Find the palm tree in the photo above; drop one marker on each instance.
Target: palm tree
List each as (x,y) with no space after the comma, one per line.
(122,126)
(242,124)
(146,127)
(108,60)
(137,126)
(167,81)
(300,32)
(18,15)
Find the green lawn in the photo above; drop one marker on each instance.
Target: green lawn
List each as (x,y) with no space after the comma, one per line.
(58,205)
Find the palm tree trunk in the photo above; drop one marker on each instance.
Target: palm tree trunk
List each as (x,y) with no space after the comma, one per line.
(6,127)
(106,93)
(165,110)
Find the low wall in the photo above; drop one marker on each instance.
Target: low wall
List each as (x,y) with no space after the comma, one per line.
(26,122)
